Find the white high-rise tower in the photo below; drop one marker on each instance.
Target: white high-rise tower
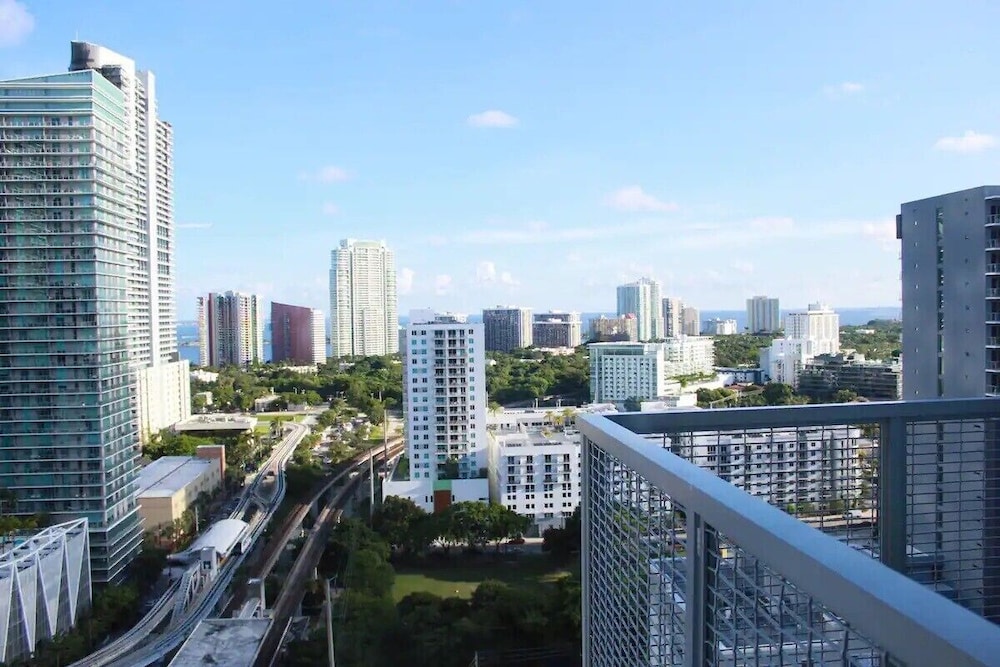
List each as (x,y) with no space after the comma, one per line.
(363,318)
(642,299)
(763,315)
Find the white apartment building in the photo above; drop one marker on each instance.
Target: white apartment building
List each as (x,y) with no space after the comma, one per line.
(763,315)
(808,333)
(784,466)
(819,325)
(232,326)
(363,317)
(719,327)
(529,450)
(619,371)
(642,299)
(444,399)
(536,473)
(515,420)
(165,392)
(688,355)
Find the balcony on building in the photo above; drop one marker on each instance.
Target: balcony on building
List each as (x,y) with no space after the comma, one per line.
(879,553)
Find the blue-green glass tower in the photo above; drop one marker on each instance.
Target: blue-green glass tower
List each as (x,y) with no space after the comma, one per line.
(68,437)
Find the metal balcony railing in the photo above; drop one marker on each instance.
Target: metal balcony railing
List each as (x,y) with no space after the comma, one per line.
(891,564)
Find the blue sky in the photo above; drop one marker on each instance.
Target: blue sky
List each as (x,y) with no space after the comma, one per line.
(540,153)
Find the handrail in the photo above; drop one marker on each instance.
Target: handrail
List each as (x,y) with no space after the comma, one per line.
(901,616)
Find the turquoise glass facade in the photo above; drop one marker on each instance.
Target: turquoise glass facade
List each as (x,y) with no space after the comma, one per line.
(68,440)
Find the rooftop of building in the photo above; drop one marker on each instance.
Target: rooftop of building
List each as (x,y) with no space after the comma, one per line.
(29,544)
(542,437)
(167,475)
(223,642)
(217,423)
(848,357)
(222,536)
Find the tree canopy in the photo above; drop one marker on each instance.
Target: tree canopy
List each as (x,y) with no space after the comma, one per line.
(524,375)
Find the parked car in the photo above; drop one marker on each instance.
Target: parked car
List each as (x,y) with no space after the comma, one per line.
(516,540)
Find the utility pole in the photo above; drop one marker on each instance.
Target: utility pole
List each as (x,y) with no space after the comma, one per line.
(329,624)
(371,486)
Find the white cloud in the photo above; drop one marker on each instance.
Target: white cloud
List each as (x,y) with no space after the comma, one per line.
(970,142)
(634,199)
(404,281)
(16,22)
(443,284)
(487,273)
(843,89)
(883,233)
(773,225)
(194,225)
(741,266)
(540,233)
(328,174)
(492,118)
(329,208)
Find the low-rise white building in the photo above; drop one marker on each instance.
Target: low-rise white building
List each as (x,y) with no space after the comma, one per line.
(719,327)
(45,587)
(620,371)
(784,466)
(204,376)
(808,333)
(164,396)
(512,420)
(536,473)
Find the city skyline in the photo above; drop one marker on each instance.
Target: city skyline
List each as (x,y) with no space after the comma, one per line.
(506,177)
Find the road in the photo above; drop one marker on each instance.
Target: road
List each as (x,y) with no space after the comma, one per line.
(293,588)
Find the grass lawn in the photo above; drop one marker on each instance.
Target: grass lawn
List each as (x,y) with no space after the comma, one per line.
(461,577)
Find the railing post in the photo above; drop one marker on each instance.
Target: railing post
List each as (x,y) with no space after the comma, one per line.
(585,491)
(700,551)
(892,493)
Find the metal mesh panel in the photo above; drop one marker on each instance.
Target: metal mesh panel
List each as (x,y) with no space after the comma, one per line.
(951,522)
(756,617)
(915,485)
(637,568)
(825,475)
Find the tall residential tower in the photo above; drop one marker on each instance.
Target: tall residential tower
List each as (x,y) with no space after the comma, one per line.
(87,322)
(363,318)
(507,328)
(951,349)
(444,400)
(642,299)
(162,385)
(298,334)
(232,329)
(763,315)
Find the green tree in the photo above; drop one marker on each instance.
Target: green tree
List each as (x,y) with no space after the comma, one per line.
(845,396)
(401,523)
(633,404)
(504,524)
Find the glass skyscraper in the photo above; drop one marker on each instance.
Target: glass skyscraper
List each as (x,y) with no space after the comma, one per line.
(68,243)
